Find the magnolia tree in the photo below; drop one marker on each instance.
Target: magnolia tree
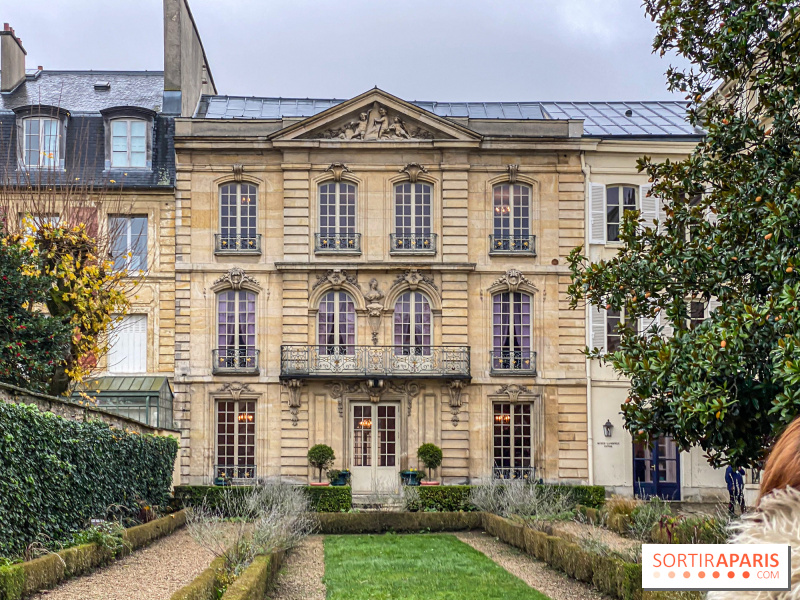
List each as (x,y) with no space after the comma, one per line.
(730,237)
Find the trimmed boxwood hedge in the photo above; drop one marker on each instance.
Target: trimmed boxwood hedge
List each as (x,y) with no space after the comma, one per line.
(57,474)
(442,498)
(323,498)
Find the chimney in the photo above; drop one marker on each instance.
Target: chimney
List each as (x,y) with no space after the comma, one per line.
(12,60)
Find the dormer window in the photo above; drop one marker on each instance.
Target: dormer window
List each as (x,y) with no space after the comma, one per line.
(128,137)
(41,142)
(128,143)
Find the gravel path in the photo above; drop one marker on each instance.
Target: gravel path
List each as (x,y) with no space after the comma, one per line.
(152,573)
(300,578)
(533,572)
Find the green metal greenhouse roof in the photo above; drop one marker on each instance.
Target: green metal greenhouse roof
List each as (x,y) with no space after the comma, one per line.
(128,384)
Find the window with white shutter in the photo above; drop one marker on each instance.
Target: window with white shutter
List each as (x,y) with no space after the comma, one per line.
(597,325)
(597,214)
(649,206)
(619,198)
(127,352)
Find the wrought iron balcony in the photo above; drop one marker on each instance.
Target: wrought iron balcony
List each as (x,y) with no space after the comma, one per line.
(345,243)
(524,473)
(375,362)
(412,244)
(512,244)
(237,244)
(237,361)
(513,362)
(235,474)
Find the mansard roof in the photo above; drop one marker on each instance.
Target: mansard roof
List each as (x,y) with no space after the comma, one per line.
(600,119)
(82,92)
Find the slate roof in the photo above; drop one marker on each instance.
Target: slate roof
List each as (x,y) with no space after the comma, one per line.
(601,119)
(75,91)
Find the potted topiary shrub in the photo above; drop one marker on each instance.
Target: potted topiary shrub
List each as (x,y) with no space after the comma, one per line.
(431,456)
(321,457)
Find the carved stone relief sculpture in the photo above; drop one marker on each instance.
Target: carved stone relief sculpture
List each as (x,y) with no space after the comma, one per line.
(455,388)
(375,124)
(294,387)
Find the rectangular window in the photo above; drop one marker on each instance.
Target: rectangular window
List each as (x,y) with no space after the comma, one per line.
(619,198)
(362,436)
(128,242)
(697,313)
(512,441)
(41,137)
(615,323)
(128,143)
(127,349)
(236,439)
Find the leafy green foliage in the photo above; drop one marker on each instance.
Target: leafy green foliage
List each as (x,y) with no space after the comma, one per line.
(440,498)
(321,457)
(58,474)
(323,499)
(646,516)
(729,385)
(109,535)
(430,455)
(31,343)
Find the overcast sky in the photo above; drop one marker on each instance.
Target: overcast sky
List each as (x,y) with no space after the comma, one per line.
(415,49)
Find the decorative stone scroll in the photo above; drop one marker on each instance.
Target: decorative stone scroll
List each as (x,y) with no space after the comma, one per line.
(337,278)
(294,387)
(455,388)
(235,389)
(236,278)
(512,281)
(413,278)
(512,173)
(338,169)
(375,389)
(413,170)
(238,172)
(514,391)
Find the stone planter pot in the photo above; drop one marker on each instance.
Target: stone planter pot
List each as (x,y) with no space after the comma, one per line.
(319,484)
(429,483)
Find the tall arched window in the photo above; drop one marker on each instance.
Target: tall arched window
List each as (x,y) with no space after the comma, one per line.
(412,218)
(337,217)
(511,332)
(238,213)
(512,216)
(412,324)
(336,324)
(236,330)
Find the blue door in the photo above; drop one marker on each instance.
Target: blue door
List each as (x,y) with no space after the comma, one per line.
(657,469)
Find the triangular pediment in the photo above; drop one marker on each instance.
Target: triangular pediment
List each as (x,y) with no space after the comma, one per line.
(376,116)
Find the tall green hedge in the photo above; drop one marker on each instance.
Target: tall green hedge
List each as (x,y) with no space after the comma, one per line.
(323,498)
(442,498)
(57,474)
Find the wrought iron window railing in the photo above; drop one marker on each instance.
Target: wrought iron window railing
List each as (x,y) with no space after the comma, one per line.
(235,473)
(412,243)
(237,244)
(235,360)
(340,242)
(513,362)
(375,361)
(525,473)
(512,244)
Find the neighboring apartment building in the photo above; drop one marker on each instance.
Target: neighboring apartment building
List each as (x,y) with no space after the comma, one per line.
(369,273)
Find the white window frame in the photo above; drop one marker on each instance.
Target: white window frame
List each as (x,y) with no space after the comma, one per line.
(513,192)
(235,231)
(129,241)
(129,322)
(340,210)
(417,204)
(129,142)
(649,206)
(244,419)
(43,160)
(598,325)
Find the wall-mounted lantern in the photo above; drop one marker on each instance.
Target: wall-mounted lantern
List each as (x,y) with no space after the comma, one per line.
(608,428)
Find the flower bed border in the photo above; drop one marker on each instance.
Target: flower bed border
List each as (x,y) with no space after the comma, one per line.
(398,522)
(23,579)
(252,584)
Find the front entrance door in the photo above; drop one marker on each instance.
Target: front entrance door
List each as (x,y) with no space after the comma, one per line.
(657,469)
(374,447)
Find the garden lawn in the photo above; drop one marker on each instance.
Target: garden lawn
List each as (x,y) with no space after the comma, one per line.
(415,567)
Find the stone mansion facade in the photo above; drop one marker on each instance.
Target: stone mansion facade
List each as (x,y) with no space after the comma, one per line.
(373,274)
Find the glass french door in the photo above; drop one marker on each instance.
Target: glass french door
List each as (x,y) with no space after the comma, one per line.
(657,469)
(374,447)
